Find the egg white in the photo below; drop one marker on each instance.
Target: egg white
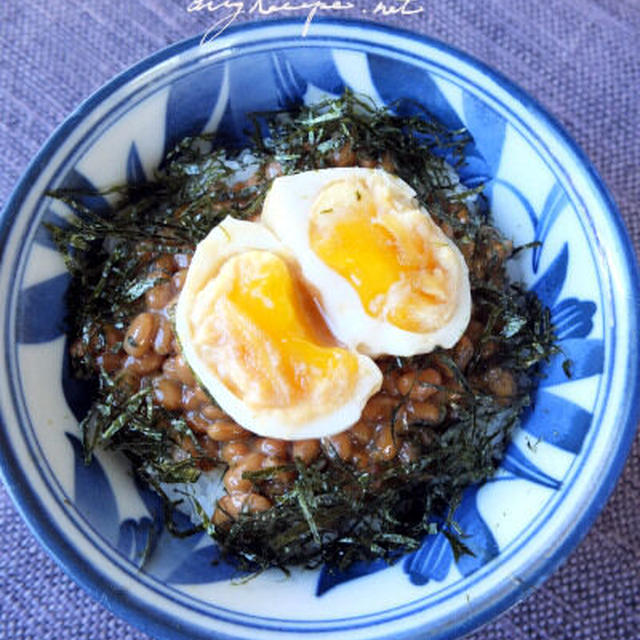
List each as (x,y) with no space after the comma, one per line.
(297,422)
(287,211)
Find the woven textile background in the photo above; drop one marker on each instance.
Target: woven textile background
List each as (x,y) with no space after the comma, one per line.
(579,58)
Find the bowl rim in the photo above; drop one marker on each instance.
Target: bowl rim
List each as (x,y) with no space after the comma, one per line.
(29,504)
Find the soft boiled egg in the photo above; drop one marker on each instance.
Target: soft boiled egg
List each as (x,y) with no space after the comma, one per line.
(388,279)
(254,337)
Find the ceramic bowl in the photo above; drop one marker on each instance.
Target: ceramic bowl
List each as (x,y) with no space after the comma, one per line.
(558,471)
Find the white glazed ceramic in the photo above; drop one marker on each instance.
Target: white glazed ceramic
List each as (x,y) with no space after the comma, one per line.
(558,471)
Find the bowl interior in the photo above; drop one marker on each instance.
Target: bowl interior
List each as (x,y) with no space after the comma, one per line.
(103,526)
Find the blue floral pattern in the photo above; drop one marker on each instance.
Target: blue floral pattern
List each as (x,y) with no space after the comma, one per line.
(556,420)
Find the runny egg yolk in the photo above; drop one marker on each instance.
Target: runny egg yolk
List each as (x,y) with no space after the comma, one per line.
(387,250)
(255,317)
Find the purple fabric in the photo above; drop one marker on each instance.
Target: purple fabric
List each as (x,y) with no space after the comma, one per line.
(580,58)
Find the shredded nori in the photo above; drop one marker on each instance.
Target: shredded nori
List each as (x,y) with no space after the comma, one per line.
(332,512)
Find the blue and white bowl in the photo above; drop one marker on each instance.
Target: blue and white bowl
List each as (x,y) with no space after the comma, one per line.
(559,469)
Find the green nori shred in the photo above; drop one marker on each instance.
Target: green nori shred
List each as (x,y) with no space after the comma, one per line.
(130,422)
(332,512)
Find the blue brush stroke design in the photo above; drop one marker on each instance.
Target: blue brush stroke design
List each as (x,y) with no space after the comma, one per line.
(137,539)
(526,205)
(151,500)
(204,565)
(290,85)
(94,496)
(555,202)
(414,86)
(487,128)
(40,318)
(434,558)
(474,172)
(517,463)
(431,561)
(573,318)
(586,357)
(479,538)
(557,421)
(170,558)
(42,310)
(186,116)
(85,192)
(330,578)
(42,236)
(548,287)
(416,89)
(135,171)
(195,559)
(314,66)
(235,123)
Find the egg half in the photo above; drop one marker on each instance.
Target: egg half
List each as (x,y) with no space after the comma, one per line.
(254,337)
(388,279)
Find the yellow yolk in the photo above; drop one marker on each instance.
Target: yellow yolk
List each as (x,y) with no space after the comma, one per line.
(384,249)
(255,317)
